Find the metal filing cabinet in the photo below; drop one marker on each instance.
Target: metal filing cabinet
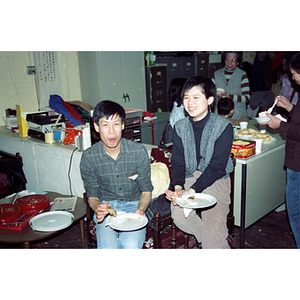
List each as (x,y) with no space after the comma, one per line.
(157,88)
(174,69)
(188,66)
(202,61)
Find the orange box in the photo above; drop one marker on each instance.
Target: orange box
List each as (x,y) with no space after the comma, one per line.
(243,148)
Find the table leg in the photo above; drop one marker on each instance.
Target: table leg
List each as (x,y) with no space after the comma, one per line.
(26,245)
(81,224)
(243,206)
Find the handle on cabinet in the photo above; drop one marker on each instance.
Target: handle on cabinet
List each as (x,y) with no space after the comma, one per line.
(126,97)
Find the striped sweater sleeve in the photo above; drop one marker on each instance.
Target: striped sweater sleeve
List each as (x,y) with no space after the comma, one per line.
(245,97)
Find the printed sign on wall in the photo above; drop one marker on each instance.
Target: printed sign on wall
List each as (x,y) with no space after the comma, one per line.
(48,76)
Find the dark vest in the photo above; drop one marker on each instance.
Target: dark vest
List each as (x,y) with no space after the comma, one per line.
(213,128)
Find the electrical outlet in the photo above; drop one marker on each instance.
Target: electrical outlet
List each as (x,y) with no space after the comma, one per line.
(30,70)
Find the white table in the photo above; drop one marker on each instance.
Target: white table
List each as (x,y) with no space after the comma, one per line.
(260,182)
(47,167)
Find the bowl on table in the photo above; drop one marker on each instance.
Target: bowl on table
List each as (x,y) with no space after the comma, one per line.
(263,119)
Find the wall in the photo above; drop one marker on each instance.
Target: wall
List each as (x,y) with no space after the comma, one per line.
(16,87)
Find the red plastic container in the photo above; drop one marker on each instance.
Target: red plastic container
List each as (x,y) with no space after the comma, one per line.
(20,222)
(33,202)
(9,212)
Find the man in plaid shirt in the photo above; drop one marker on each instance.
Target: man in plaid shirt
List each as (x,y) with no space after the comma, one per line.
(116,174)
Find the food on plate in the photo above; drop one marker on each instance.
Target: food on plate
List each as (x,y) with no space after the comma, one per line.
(262,114)
(112,212)
(253,134)
(192,197)
(246,131)
(262,136)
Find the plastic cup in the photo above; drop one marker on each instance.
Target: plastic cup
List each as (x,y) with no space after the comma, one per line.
(259,143)
(49,137)
(243,125)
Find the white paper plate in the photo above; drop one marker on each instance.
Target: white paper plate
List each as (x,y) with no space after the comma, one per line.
(262,119)
(127,221)
(250,138)
(51,221)
(201,201)
(244,137)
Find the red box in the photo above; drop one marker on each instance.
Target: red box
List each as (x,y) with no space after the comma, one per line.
(20,222)
(35,201)
(16,216)
(243,148)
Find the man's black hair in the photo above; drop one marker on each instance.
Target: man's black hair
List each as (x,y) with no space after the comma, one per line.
(107,108)
(225,105)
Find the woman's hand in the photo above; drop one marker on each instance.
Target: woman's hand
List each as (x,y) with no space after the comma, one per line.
(170,195)
(284,103)
(273,123)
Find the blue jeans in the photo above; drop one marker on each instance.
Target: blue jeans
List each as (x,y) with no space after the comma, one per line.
(293,203)
(108,238)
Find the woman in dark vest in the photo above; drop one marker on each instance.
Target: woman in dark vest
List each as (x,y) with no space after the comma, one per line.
(201,163)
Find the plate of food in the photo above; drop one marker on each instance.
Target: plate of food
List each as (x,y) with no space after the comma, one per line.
(262,119)
(265,137)
(126,221)
(246,134)
(252,134)
(197,200)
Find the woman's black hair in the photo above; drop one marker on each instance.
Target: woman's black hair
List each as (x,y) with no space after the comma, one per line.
(207,86)
(107,108)
(239,56)
(295,63)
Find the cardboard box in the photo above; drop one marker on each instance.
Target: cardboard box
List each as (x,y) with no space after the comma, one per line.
(243,148)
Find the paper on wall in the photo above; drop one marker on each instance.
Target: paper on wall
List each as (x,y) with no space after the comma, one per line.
(48,76)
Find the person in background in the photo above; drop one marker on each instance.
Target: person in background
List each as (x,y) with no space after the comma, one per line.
(116,174)
(263,71)
(175,106)
(289,87)
(232,82)
(226,110)
(201,163)
(291,130)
